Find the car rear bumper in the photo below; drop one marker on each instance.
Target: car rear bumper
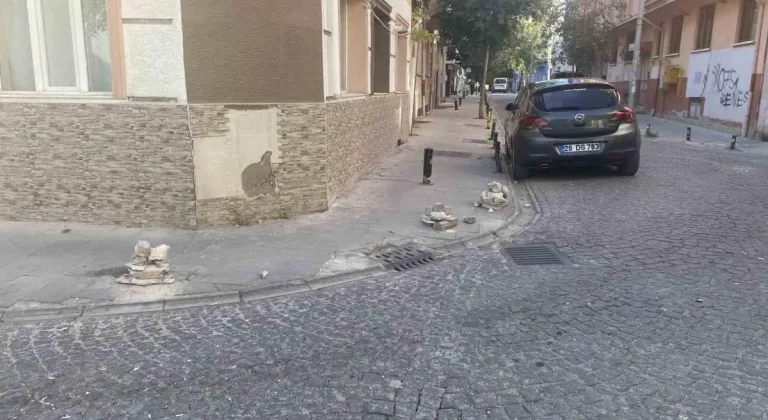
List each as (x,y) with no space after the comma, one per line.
(534,149)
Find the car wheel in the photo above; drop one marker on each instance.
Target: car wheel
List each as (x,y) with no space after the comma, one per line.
(630,167)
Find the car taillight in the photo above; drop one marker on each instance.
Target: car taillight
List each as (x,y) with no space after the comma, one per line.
(626,115)
(530,122)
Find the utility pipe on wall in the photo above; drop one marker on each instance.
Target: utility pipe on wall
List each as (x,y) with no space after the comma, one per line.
(636,56)
(759,36)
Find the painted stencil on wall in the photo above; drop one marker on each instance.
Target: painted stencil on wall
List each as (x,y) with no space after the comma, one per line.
(722,78)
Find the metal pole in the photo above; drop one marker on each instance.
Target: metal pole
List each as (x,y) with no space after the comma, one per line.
(428,152)
(688,134)
(636,56)
(733,142)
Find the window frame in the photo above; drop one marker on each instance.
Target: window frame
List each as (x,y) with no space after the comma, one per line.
(343,46)
(705,27)
(745,14)
(39,55)
(675,34)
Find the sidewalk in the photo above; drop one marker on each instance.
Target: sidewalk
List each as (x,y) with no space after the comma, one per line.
(43,264)
(704,137)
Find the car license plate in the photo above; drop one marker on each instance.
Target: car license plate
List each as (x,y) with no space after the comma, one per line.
(581,147)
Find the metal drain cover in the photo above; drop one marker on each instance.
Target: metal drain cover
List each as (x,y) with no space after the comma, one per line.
(533,255)
(402,258)
(450,153)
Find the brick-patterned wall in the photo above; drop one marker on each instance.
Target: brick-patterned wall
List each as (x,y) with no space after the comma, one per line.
(360,132)
(126,164)
(301,175)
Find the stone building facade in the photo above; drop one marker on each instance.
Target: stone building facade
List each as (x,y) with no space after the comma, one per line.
(194,113)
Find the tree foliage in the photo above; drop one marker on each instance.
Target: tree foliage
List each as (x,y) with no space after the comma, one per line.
(586,32)
(480,29)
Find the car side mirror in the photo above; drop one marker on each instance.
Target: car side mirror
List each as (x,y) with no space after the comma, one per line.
(510,107)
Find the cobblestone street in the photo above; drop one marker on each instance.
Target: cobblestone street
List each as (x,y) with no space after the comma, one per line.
(660,314)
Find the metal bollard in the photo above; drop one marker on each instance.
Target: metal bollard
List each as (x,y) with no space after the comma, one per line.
(648,130)
(497,154)
(733,142)
(455,104)
(428,152)
(488,120)
(688,134)
(493,127)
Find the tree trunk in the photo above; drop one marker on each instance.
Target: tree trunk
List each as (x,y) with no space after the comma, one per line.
(484,94)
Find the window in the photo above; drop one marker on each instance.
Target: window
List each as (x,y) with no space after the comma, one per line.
(343,44)
(676,35)
(331,55)
(747,21)
(54,46)
(706,22)
(576,98)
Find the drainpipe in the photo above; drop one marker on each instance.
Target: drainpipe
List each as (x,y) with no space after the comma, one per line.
(661,73)
(759,35)
(636,56)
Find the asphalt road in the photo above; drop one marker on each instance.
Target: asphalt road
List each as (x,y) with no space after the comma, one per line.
(658,314)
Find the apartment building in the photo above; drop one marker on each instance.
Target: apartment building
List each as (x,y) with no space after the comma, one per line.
(700,60)
(196,113)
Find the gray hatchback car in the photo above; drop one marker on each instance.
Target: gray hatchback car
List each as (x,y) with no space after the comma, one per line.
(571,122)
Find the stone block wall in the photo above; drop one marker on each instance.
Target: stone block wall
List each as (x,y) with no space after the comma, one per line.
(168,165)
(360,132)
(295,184)
(124,164)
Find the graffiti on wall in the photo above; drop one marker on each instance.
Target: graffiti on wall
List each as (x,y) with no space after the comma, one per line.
(726,81)
(722,78)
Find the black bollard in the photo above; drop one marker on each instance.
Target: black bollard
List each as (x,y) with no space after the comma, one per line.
(648,130)
(428,152)
(456,104)
(688,134)
(497,154)
(733,142)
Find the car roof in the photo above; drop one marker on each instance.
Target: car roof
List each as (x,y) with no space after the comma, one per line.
(571,80)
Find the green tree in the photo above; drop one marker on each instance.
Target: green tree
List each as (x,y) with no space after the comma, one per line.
(480,29)
(586,32)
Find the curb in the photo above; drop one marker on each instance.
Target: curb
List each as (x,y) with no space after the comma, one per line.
(521,218)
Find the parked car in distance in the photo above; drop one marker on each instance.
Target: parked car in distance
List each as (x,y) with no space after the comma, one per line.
(570,122)
(500,84)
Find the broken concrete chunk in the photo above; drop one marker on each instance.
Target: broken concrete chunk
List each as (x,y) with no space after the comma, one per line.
(439,217)
(446,224)
(148,265)
(496,196)
(142,249)
(494,187)
(159,253)
(439,207)
(470,220)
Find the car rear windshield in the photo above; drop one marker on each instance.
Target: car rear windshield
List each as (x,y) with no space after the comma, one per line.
(499,81)
(576,98)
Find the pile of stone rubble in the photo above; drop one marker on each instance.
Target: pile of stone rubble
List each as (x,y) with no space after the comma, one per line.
(440,217)
(148,266)
(495,197)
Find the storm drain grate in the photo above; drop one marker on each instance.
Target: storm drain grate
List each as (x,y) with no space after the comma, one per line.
(450,153)
(533,255)
(402,258)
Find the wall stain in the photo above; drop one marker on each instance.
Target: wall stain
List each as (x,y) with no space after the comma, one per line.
(258,178)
